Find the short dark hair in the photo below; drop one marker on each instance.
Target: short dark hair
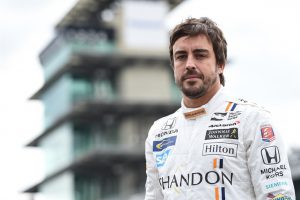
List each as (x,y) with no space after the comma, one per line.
(203,25)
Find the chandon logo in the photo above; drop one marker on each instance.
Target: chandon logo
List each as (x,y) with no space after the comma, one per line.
(195,178)
(217,178)
(270,155)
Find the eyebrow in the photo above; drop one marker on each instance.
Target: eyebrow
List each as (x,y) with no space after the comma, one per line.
(200,51)
(194,51)
(179,52)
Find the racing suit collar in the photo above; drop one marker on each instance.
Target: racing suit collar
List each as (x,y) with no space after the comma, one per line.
(193,113)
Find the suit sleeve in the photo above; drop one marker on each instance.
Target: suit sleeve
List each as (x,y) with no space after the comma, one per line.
(153,189)
(267,158)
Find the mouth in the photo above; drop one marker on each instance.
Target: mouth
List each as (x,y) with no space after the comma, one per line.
(191,77)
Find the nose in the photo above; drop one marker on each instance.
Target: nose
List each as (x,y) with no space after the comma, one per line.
(190,64)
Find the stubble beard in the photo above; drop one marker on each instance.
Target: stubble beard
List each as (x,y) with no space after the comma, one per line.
(197,89)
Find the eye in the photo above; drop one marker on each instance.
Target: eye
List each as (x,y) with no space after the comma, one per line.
(200,56)
(180,56)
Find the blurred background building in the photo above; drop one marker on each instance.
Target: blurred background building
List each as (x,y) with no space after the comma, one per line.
(294,159)
(101,95)
(107,79)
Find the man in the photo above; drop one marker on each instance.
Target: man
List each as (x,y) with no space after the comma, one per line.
(215,146)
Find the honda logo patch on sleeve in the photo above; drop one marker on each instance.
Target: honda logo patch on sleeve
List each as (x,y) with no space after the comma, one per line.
(270,155)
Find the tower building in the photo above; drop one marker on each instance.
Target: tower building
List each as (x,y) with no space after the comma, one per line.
(107,79)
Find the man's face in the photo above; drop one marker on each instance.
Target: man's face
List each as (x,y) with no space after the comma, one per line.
(195,68)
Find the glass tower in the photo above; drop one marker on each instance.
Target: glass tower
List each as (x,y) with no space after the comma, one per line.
(107,79)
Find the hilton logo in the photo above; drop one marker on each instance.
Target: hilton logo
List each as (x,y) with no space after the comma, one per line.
(270,155)
(220,148)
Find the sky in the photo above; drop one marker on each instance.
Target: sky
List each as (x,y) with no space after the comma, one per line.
(263,46)
(26,28)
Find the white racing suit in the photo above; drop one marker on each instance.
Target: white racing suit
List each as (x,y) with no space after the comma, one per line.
(228,149)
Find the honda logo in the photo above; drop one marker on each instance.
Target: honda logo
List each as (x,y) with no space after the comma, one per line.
(170,123)
(270,155)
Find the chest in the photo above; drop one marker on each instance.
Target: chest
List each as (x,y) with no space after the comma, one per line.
(208,141)
(215,134)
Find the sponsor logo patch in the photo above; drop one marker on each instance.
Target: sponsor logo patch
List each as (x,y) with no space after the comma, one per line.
(163,144)
(218,116)
(167,128)
(224,125)
(270,155)
(162,158)
(231,133)
(267,133)
(274,186)
(273,172)
(278,197)
(215,178)
(167,132)
(170,123)
(234,115)
(195,113)
(220,148)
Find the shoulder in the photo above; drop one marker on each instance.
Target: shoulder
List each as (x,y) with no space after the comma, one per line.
(245,103)
(251,110)
(233,102)
(164,123)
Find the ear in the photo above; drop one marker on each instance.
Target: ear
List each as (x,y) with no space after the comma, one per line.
(220,68)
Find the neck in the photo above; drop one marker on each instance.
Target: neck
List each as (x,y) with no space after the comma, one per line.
(195,103)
